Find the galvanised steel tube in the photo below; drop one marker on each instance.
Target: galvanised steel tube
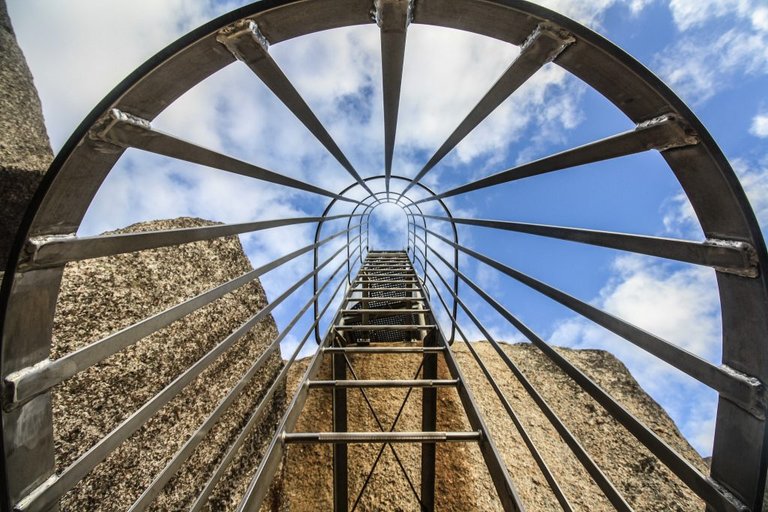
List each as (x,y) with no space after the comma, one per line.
(280,379)
(48,494)
(739,389)
(738,258)
(60,250)
(709,491)
(545,471)
(660,133)
(29,382)
(600,479)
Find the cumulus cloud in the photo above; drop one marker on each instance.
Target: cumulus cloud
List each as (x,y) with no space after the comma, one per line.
(677,302)
(696,64)
(759,126)
(692,13)
(680,305)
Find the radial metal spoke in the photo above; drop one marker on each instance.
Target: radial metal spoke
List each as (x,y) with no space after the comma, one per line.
(124,130)
(661,133)
(47,494)
(278,381)
(541,47)
(748,392)
(704,487)
(48,251)
(393,17)
(543,467)
(391,383)
(31,381)
(728,256)
(172,467)
(248,45)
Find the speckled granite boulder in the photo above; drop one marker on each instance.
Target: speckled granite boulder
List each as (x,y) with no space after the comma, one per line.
(25,152)
(462,480)
(103,295)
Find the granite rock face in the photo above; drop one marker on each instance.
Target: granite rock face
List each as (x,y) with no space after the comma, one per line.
(463,482)
(25,152)
(104,295)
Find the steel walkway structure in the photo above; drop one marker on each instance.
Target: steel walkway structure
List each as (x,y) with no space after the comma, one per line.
(733,249)
(386,303)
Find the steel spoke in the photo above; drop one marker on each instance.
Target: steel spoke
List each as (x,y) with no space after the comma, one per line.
(541,47)
(502,398)
(125,130)
(393,17)
(31,381)
(661,133)
(729,256)
(704,487)
(248,45)
(738,388)
(47,251)
(47,494)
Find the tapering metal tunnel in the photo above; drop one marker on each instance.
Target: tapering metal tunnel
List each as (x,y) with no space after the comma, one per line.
(401,307)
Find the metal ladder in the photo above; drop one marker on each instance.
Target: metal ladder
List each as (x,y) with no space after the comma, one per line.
(386,305)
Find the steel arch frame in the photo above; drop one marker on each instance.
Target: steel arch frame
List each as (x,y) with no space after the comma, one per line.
(411,223)
(30,284)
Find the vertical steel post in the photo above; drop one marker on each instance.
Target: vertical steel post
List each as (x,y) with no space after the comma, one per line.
(340,466)
(429,424)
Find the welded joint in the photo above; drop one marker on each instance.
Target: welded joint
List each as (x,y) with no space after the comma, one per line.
(30,258)
(244,31)
(677,133)
(13,393)
(30,498)
(393,15)
(750,265)
(728,495)
(107,129)
(562,38)
(756,400)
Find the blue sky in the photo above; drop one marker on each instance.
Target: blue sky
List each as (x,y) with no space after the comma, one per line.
(713,53)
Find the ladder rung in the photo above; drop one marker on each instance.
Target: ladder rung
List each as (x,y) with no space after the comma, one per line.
(383,327)
(384,350)
(386,311)
(383,281)
(391,383)
(358,290)
(386,299)
(380,437)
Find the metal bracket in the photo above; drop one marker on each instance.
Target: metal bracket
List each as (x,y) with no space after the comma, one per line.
(247,30)
(553,32)
(105,130)
(29,255)
(393,15)
(678,134)
(728,495)
(751,265)
(756,403)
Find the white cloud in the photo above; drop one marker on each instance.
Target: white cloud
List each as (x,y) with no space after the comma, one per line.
(754,178)
(692,13)
(699,65)
(680,306)
(79,50)
(759,126)
(696,66)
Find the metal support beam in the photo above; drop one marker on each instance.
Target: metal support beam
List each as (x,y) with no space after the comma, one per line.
(340,463)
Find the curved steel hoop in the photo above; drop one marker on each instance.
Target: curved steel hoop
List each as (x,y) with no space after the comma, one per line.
(734,245)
